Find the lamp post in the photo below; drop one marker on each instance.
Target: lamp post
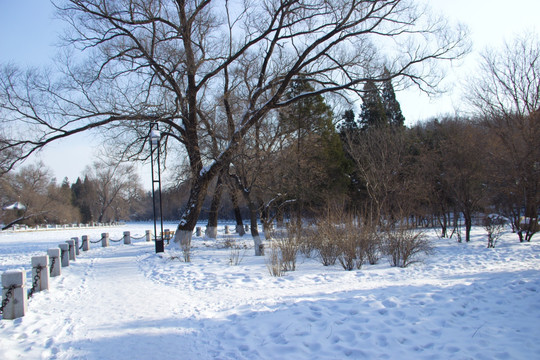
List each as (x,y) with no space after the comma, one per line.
(155,136)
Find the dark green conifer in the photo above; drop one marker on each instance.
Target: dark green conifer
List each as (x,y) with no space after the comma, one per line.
(391,105)
(373,114)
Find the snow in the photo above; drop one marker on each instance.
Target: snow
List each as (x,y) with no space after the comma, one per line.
(126,302)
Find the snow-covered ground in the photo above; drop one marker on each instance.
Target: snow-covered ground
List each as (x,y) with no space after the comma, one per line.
(125,302)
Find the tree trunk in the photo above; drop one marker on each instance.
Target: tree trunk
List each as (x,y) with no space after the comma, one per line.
(259,249)
(443,222)
(184,231)
(237,214)
(468,225)
(211,227)
(279,217)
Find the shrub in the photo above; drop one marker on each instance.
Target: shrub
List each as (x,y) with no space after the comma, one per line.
(370,244)
(288,245)
(494,225)
(236,253)
(326,243)
(402,246)
(186,252)
(308,241)
(351,254)
(273,261)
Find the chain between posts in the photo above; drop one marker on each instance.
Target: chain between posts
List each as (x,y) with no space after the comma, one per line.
(138,238)
(37,277)
(9,295)
(111,240)
(53,260)
(95,242)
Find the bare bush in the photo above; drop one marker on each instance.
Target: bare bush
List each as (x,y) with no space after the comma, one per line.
(494,225)
(308,242)
(236,253)
(326,243)
(403,246)
(287,245)
(274,261)
(186,252)
(351,254)
(370,244)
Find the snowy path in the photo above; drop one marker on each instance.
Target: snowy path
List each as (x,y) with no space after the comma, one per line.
(102,307)
(125,302)
(122,310)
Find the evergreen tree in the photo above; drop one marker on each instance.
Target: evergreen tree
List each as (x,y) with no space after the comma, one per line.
(320,166)
(82,195)
(348,124)
(373,114)
(391,105)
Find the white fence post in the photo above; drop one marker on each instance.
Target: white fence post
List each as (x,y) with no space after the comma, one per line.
(148,235)
(40,273)
(14,290)
(85,243)
(54,262)
(167,235)
(71,244)
(127,237)
(64,254)
(104,239)
(77,250)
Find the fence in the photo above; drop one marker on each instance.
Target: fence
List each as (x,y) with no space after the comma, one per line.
(14,294)
(18,227)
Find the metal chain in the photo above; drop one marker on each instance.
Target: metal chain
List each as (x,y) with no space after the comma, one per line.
(138,238)
(111,240)
(95,242)
(37,277)
(53,260)
(9,295)
(82,244)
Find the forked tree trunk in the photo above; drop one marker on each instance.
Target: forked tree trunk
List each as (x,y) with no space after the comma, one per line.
(237,214)
(211,227)
(184,231)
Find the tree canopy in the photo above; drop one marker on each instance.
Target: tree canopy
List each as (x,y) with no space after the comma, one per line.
(175,62)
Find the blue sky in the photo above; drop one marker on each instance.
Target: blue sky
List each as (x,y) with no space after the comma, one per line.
(29,32)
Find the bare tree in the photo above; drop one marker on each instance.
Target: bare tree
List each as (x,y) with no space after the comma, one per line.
(506,95)
(161,60)
(37,198)
(382,163)
(464,165)
(113,183)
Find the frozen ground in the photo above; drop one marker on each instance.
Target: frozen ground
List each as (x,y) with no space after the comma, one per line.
(125,302)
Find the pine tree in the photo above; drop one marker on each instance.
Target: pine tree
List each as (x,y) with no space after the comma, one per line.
(373,114)
(348,124)
(321,165)
(391,105)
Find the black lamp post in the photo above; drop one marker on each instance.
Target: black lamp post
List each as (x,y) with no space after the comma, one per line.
(155,136)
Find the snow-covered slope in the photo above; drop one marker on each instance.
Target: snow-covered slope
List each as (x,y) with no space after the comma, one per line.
(125,302)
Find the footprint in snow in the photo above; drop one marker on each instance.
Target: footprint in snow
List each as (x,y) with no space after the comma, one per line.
(389,304)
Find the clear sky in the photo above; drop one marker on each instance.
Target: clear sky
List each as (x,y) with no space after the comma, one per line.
(29,31)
